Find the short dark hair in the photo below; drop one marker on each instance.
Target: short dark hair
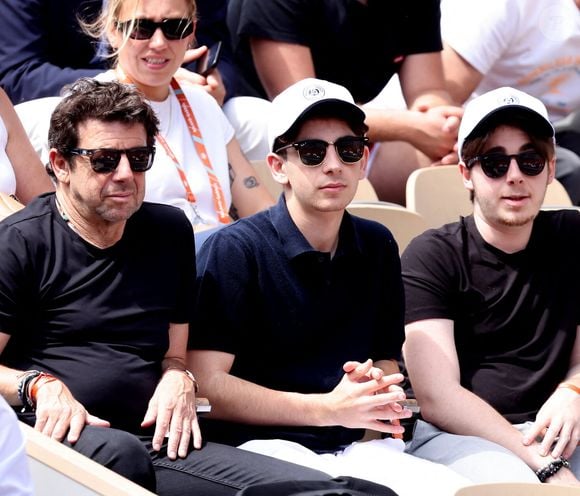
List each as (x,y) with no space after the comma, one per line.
(107,101)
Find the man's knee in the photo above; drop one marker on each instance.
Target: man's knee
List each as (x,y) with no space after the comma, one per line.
(119,451)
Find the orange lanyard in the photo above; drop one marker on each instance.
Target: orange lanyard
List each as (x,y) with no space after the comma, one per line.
(219,200)
(188,193)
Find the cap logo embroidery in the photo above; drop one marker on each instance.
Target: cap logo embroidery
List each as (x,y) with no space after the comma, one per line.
(510,100)
(313,92)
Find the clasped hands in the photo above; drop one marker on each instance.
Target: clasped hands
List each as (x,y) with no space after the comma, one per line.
(437,129)
(365,398)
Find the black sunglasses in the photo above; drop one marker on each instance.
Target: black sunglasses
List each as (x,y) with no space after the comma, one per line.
(144,29)
(350,149)
(105,160)
(496,165)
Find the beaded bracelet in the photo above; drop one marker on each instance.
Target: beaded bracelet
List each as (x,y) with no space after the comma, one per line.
(546,472)
(22,390)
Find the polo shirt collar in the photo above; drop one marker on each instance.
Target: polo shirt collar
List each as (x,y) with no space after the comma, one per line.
(293,241)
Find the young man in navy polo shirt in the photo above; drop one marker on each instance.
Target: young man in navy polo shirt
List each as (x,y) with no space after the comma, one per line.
(309,305)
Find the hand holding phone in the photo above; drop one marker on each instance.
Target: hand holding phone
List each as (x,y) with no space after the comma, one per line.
(209,60)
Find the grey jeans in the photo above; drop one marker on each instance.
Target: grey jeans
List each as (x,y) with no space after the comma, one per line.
(473,457)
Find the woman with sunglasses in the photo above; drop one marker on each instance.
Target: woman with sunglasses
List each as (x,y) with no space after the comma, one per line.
(199,166)
(21,172)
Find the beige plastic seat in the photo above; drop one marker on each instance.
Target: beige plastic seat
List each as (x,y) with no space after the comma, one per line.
(265,177)
(517,489)
(57,469)
(365,190)
(438,194)
(556,196)
(402,222)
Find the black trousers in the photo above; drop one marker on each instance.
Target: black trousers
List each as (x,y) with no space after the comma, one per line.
(214,470)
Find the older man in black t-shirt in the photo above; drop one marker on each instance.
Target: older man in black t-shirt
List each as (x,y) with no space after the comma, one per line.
(96,289)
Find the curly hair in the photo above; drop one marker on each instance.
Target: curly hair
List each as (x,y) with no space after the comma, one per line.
(88,99)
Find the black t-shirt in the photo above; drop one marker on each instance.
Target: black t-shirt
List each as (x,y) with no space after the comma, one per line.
(95,318)
(515,315)
(357,46)
(292,316)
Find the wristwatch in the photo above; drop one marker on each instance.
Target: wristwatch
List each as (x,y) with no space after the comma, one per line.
(195,384)
(188,374)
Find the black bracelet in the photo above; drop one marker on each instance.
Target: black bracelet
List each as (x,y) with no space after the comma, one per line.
(23,384)
(546,472)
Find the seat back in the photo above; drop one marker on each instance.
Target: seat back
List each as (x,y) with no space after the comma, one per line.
(402,222)
(556,195)
(265,177)
(517,489)
(365,191)
(438,194)
(58,469)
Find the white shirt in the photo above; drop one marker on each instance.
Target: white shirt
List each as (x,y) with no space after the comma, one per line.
(14,474)
(532,45)
(163,184)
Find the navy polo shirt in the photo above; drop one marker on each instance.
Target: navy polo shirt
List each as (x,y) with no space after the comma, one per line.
(292,316)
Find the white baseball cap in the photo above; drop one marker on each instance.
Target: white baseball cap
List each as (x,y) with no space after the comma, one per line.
(479,111)
(299,100)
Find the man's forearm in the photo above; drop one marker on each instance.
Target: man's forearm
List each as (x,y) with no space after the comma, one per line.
(466,414)
(389,124)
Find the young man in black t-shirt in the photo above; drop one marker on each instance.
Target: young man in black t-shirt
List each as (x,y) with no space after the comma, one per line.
(492,314)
